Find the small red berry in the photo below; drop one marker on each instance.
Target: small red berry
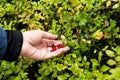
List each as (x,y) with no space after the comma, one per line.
(60,46)
(53,48)
(77,31)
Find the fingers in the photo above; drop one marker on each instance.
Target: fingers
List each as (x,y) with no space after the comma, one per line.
(57,52)
(51,42)
(47,35)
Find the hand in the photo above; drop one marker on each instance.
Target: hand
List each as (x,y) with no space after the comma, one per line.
(37,45)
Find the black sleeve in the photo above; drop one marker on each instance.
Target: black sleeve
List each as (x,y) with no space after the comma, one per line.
(14,45)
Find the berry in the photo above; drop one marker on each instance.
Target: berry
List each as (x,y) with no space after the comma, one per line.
(77,31)
(60,46)
(53,48)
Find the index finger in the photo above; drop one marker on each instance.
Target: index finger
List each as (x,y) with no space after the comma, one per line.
(47,35)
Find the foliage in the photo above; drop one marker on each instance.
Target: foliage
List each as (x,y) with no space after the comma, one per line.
(91,30)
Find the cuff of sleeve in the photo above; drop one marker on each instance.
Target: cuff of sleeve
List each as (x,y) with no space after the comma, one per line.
(14,45)
(3,42)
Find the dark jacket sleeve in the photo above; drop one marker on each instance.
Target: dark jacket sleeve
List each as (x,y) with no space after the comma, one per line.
(3,42)
(13,45)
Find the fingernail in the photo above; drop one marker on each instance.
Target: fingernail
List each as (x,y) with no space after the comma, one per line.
(56,35)
(67,48)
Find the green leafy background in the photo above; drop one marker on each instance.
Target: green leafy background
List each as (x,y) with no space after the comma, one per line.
(91,29)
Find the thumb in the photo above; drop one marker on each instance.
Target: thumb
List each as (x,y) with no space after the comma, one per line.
(47,35)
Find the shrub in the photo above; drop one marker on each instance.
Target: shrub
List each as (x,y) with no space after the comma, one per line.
(91,30)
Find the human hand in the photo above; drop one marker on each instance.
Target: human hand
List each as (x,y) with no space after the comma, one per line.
(37,45)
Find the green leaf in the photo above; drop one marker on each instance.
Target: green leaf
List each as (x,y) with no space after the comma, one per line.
(74,55)
(112,70)
(60,67)
(85,58)
(111,62)
(18,78)
(115,6)
(83,22)
(117,58)
(97,74)
(94,61)
(105,48)
(115,73)
(100,56)
(98,34)
(104,68)
(108,3)
(112,24)
(110,53)
(117,49)
(115,70)
(63,77)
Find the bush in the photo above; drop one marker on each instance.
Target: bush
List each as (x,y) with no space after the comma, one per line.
(91,30)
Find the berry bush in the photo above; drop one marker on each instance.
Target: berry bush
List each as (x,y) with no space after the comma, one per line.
(91,28)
